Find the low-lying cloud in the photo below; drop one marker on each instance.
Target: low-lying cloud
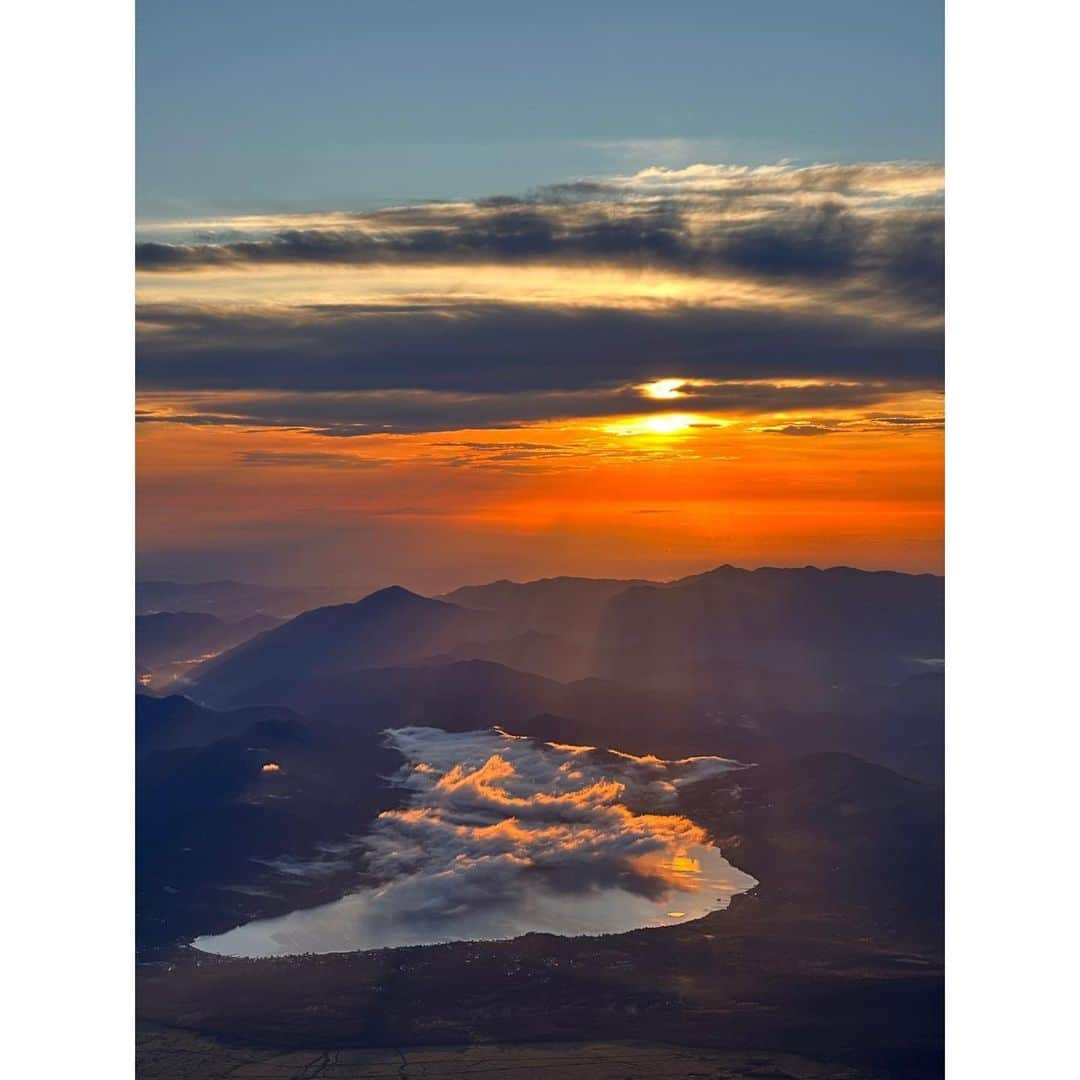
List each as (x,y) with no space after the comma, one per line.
(502,835)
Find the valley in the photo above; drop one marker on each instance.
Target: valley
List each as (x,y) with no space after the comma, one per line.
(350,752)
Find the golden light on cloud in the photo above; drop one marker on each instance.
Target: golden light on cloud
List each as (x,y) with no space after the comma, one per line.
(663,389)
(696,440)
(271,767)
(685,864)
(672,389)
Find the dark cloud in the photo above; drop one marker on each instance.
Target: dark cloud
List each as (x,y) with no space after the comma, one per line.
(932,422)
(877,224)
(801,429)
(823,241)
(354,413)
(915,259)
(505,348)
(499,234)
(843,266)
(286,459)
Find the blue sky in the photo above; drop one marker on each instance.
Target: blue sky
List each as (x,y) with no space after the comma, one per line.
(256,105)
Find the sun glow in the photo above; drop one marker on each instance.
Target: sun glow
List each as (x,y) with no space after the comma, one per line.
(660,424)
(663,389)
(668,424)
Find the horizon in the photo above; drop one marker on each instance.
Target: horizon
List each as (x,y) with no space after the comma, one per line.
(712,568)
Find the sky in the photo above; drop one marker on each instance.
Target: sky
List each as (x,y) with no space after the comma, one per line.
(432,294)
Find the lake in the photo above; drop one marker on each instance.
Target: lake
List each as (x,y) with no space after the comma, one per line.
(500,836)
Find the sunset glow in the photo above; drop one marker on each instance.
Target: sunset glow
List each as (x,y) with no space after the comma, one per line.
(665,414)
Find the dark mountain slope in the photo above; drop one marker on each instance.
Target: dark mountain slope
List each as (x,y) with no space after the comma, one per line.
(393,626)
(238,827)
(533,651)
(566,606)
(775,635)
(475,694)
(901,726)
(833,834)
(177,723)
(168,641)
(226,599)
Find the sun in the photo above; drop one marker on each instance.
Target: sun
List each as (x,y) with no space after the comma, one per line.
(667,423)
(673,423)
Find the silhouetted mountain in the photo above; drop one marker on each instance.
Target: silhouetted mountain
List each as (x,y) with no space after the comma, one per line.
(758,662)
(475,694)
(532,651)
(901,726)
(177,723)
(786,634)
(258,811)
(226,599)
(758,639)
(224,800)
(568,607)
(389,627)
(832,833)
(169,643)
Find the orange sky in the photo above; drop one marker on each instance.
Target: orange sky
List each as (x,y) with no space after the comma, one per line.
(610,496)
(687,368)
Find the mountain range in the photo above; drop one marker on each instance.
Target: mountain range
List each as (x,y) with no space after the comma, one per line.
(258,776)
(811,655)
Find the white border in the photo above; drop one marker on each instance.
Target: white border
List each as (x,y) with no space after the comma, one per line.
(1011,539)
(67,84)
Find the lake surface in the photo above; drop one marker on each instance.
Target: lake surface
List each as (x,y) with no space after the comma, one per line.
(502,836)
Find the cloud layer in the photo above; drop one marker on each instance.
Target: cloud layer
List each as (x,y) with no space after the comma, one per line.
(501,836)
(836,220)
(505,311)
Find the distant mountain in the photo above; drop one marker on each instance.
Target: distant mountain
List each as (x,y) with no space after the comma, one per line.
(228,600)
(568,607)
(532,651)
(164,637)
(177,723)
(900,725)
(785,634)
(389,627)
(758,661)
(476,694)
(167,643)
(768,637)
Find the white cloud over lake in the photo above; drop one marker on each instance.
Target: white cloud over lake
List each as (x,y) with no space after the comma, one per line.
(502,835)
